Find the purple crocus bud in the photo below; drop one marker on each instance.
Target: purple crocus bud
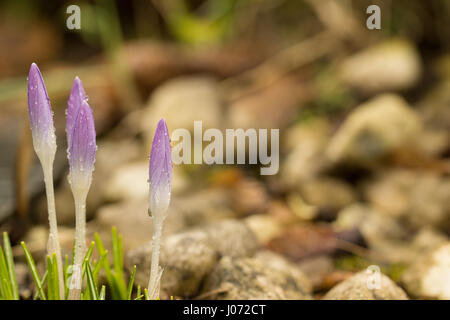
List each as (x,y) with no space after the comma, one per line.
(82,149)
(41,117)
(160,170)
(77,96)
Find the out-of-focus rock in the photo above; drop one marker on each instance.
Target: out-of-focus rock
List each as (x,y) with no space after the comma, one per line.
(249,196)
(304,211)
(429,276)
(24,280)
(185,211)
(434,107)
(306,143)
(189,256)
(391,65)
(317,268)
(419,198)
(186,258)
(180,102)
(375,129)
(385,237)
(232,238)
(278,262)
(36,239)
(273,107)
(128,182)
(366,286)
(427,239)
(203,206)
(352,216)
(133,222)
(251,278)
(264,227)
(327,194)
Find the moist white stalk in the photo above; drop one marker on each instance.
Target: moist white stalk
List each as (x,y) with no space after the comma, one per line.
(80,244)
(155,271)
(53,240)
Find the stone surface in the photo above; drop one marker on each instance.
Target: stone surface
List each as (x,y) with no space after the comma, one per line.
(327,193)
(186,258)
(306,144)
(375,129)
(180,102)
(265,227)
(253,278)
(429,276)
(390,65)
(133,222)
(280,263)
(419,198)
(275,105)
(129,181)
(203,206)
(249,196)
(357,288)
(232,238)
(316,269)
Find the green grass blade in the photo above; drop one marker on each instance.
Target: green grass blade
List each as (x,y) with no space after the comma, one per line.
(115,291)
(50,280)
(8,291)
(118,264)
(4,278)
(131,283)
(56,277)
(66,277)
(138,293)
(91,282)
(88,256)
(102,295)
(44,278)
(10,264)
(33,270)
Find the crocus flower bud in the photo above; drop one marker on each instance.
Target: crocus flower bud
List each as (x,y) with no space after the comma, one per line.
(41,117)
(77,96)
(82,149)
(160,171)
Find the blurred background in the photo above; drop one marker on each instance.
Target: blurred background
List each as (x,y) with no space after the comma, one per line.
(364,119)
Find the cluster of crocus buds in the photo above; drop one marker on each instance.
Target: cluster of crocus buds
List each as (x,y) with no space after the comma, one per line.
(160,178)
(81,139)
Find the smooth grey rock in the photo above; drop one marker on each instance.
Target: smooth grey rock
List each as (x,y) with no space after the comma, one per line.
(358,287)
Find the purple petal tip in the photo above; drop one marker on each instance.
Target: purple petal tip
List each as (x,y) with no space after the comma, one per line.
(77,96)
(160,169)
(40,112)
(83,142)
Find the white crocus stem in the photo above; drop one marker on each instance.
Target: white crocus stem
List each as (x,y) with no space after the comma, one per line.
(80,243)
(53,239)
(155,271)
